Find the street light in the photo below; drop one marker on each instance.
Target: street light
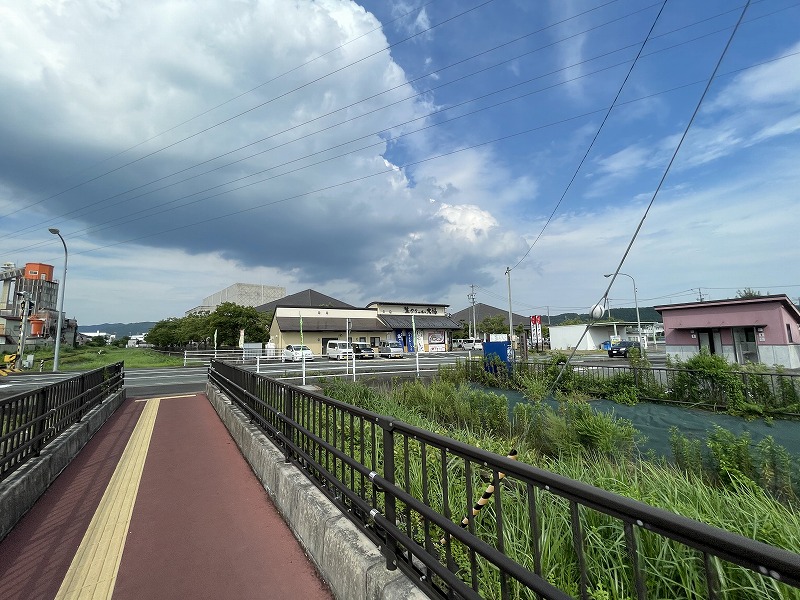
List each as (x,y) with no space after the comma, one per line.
(60,309)
(636,302)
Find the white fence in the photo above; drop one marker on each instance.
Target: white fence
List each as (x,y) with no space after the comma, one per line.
(204,357)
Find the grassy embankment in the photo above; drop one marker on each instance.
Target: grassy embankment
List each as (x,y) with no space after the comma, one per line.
(87,358)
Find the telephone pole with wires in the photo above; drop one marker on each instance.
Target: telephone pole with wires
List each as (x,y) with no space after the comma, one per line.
(474,324)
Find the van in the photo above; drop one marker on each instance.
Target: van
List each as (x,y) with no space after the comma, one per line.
(471,344)
(338,349)
(390,349)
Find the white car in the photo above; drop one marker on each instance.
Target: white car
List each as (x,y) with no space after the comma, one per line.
(296,352)
(339,349)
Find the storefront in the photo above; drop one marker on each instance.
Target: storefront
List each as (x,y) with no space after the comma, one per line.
(418,327)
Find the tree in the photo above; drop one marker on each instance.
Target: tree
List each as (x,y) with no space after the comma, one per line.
(495,324)
(195,328)
(229,318)
(575,321)
(164,334)
(748,293)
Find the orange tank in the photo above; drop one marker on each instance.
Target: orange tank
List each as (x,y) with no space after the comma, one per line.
(37,326)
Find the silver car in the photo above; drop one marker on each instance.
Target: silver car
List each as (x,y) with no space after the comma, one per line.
(390,349)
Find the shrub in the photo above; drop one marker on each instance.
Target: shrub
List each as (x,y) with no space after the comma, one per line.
(706,379)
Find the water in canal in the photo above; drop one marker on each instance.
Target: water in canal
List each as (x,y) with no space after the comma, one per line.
(655,421)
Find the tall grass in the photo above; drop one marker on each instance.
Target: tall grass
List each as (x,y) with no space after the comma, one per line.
(600,453)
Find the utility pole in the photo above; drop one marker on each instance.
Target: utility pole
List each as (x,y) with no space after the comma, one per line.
(21,347)
(471,296)
(510,321)
(700,294)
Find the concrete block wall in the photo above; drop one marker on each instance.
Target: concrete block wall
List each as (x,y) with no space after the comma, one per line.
(20,490)
(347,560)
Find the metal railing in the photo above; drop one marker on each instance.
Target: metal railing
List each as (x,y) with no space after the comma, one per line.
(204,357)
(777,392)
(31,420)
(413,493)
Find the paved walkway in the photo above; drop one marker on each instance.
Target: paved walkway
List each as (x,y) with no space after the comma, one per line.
(159,504)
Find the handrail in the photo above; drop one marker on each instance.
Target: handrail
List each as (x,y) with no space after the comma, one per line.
(31,420)
(407,489)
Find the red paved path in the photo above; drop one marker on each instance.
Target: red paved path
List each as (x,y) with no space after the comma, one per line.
(202,525)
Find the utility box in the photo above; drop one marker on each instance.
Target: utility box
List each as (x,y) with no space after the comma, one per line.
(498,351)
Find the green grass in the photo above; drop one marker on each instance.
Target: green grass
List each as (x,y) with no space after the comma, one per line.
(671,569)
(87,358)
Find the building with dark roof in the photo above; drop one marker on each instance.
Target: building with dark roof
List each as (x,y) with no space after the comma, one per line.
(315,324)
(764,329)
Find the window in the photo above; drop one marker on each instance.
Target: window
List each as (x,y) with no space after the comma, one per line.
(374,342)
(789,332)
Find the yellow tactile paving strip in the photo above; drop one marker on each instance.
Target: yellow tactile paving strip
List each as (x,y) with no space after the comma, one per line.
(93,571)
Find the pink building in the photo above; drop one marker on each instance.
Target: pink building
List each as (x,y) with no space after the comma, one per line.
(764,329)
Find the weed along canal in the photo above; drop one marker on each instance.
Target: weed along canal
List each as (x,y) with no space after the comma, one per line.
(582,465)
(655,421)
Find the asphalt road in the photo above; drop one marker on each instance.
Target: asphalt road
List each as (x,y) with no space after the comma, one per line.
(178,380)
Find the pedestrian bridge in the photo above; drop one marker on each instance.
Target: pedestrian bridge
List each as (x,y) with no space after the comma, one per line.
(160,498)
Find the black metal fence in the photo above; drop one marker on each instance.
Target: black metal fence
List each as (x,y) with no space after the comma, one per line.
(414,494)
(29,421)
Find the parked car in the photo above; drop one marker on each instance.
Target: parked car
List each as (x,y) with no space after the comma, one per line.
(622,348)
(472,345)
(294,352)
(363,350)
(390,349)
(338,350)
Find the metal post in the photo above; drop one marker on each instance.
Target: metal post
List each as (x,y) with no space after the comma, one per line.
(510,321)
(414,337)
(61,287)
(636,303)
(21,346)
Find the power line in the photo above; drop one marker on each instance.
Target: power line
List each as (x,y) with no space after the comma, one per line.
(491,141)
(404,84)
(249,110)
(361,178)
(397,125)
(85,207)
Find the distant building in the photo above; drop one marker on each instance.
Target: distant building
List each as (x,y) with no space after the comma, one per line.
(317,319)
(599,335)
(243,294)
(36,282)
(764,329)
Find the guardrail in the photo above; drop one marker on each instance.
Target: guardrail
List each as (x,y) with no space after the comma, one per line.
(31,420)
(413,493)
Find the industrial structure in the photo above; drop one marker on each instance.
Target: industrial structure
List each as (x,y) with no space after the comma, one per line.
(28,308)
(243,294)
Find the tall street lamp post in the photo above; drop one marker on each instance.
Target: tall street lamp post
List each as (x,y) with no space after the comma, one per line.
(636,302)
(60,309)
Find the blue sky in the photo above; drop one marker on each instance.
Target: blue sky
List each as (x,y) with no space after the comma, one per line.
(383,150)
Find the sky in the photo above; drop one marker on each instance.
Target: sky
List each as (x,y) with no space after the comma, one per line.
(401,150)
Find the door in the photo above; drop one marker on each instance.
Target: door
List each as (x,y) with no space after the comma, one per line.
(744,340)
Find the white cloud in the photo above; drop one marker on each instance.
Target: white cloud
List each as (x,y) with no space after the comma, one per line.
(776,82)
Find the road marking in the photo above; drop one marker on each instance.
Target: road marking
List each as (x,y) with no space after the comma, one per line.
(94,568)
(166,398)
